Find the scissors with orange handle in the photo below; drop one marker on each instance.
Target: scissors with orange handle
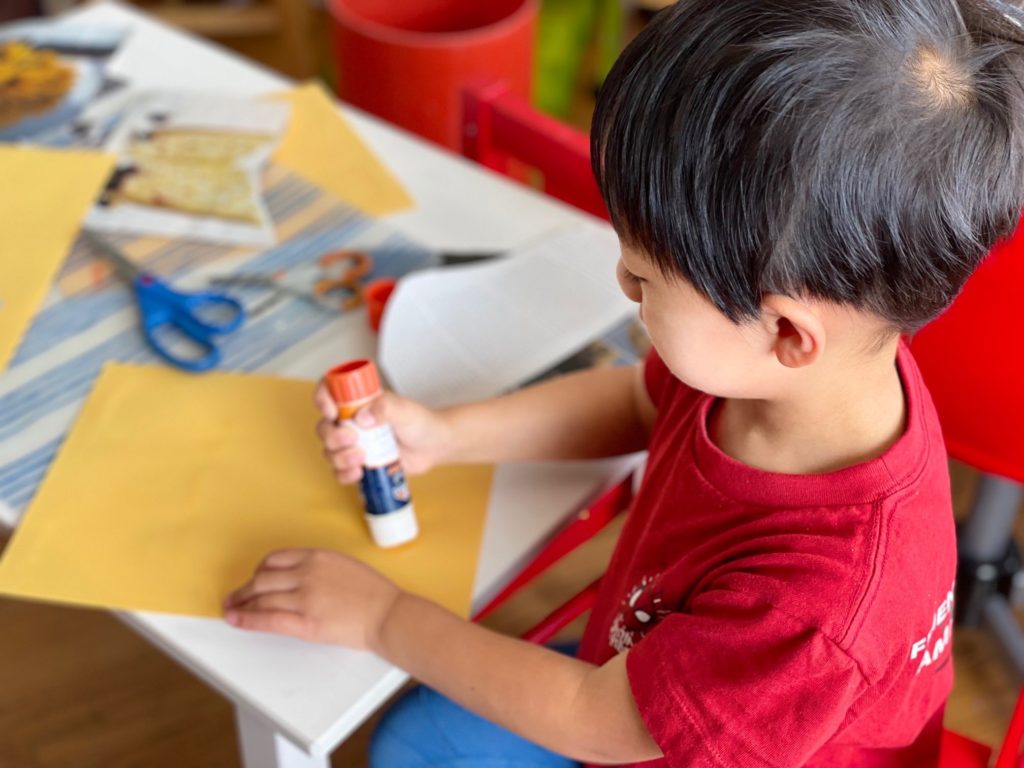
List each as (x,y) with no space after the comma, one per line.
(335,281)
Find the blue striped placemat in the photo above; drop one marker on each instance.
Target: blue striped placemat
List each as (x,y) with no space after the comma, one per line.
(90,319)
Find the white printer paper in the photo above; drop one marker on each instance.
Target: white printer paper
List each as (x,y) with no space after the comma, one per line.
(454,334)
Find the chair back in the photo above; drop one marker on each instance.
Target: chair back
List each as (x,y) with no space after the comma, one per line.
(501,130)
(972,359)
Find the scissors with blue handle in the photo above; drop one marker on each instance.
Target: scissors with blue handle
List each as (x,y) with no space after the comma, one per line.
(170,315)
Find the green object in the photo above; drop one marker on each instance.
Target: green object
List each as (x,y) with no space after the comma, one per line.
(566,29)
(611,25)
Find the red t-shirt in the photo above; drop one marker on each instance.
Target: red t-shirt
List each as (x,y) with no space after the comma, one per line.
(784,620)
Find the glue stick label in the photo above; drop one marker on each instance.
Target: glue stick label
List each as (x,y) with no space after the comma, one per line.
(383,487)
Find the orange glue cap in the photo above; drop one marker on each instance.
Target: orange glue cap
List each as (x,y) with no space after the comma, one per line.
(353,381)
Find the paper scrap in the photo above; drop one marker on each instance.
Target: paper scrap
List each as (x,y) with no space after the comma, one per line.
(322,146)
(454,334)
(43,198)
(170,489)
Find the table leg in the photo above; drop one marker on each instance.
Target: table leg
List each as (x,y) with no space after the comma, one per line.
(263,747)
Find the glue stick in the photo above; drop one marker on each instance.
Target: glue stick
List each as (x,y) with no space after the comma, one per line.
(386,501)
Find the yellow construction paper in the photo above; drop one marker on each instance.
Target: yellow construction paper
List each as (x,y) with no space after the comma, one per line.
(44,196)
(321,146)
(170,489)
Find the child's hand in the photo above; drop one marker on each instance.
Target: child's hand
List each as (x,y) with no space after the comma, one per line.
(316,595)
(423,434)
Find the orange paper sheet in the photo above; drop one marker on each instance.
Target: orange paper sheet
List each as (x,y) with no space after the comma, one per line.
(44,195)
(171,488)
(322,146)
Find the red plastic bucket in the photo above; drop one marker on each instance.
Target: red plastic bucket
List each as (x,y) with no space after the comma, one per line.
(407,60)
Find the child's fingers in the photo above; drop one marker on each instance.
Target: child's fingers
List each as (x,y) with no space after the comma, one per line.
(365,419)
(280,622)
(269,603)
(349,458)
(262,583)
(325,403)
(334,437)
(388,408)
(383,410)
(349,476)
(284,558)
(347,465)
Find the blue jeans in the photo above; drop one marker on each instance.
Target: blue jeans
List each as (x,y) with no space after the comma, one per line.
(423,729)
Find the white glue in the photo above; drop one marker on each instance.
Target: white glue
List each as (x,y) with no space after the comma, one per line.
(387,503)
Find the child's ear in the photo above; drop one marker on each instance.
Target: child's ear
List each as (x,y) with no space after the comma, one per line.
(797,332)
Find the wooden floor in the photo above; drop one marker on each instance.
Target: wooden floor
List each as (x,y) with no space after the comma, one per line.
(81,690)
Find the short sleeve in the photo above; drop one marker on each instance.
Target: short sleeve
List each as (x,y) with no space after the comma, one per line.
(657,377)
(736,683)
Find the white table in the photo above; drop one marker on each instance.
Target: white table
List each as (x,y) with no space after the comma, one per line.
(296,701)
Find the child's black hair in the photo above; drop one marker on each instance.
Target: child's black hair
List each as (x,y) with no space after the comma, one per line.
(866,152)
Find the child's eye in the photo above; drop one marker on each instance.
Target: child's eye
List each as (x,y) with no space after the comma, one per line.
(630,277)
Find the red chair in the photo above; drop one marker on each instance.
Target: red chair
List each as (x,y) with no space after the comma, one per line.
(500,129)
(587,523)
(972,358)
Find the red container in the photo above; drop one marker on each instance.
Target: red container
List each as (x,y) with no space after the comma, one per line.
(376,295)
(407,60)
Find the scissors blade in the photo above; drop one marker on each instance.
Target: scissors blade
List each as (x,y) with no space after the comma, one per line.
(128,269)
(244,281)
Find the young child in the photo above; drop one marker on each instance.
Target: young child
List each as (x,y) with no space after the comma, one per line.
(796,184)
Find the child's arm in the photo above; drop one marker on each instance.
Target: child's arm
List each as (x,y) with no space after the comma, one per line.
(571,707)
(590,414)
(595,413)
